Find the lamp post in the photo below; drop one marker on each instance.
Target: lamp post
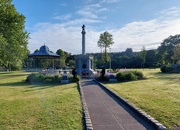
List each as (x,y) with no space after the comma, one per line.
(110,59)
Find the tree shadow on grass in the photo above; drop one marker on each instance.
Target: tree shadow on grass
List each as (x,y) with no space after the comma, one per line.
(41,86)
(167,76)
(38,86)
(14,84)
(25,84)
(6,72)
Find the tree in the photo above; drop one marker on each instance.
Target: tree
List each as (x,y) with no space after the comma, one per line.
(71,63)
(129,52)
(3,44)
(166,50)
(105,41)
(176,55)
(13,34)
(62,58)
(150,58)
(143,55)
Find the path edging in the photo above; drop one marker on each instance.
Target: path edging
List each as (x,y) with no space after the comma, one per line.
(86,116)
(145,116)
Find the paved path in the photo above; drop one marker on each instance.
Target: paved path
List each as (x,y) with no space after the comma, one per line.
(107,113)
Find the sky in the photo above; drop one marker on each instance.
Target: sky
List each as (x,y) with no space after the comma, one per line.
(132,23)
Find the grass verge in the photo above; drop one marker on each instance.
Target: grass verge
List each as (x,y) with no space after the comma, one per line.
(25,106)
(158,95)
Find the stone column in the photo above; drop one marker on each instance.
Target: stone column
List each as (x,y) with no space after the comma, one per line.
(83,40)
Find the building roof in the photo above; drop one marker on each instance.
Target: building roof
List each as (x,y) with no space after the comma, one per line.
(43,52)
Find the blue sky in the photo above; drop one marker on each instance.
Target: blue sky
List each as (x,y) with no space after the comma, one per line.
(133,23)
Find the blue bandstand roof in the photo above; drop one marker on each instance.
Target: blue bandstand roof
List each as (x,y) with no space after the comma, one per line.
(43,52)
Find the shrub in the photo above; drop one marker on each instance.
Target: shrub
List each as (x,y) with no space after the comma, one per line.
(163,69)
(48,80)
(40,78)
(138,74)
(169,69)
(121,76)
(130,76)
(106,78)
(35,77)
(56,79)
(71,79)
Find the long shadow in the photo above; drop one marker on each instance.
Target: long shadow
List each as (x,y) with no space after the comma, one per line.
(166,77)
(41,86)
(29,85)
(13,84)
(6,72)
(12,76)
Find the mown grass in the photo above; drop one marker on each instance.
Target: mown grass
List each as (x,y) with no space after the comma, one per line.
(25,106)
(158,95)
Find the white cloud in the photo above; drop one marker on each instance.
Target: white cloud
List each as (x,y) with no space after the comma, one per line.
(149,34)
(110,1)
(79,22)
(91,11)
(67,36)
(63,17)
(173,11)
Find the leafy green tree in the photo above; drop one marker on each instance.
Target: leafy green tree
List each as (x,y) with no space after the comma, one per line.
(62,58)
(166,50)
(13,34)
(71,63)
(3,44)
(151,58)
(105,41)
(176,56)
(143,55)
(129,52)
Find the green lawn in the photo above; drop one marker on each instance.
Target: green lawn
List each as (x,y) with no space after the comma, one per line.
(158,95)
(24,106)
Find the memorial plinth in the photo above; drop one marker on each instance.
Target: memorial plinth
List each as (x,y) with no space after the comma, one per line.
(83,62)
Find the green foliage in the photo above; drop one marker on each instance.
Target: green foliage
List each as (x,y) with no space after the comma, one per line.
(62,58)
(35,77)
(176,55)
(48,79)
(56,79)
(105,41)
(40,78)
(163,69)
(121,76)
(14,36)
(166,50)
(72,80)
(143,55)
(139,74)
(168,69)
(3,44)
(100,78)
(129,76)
